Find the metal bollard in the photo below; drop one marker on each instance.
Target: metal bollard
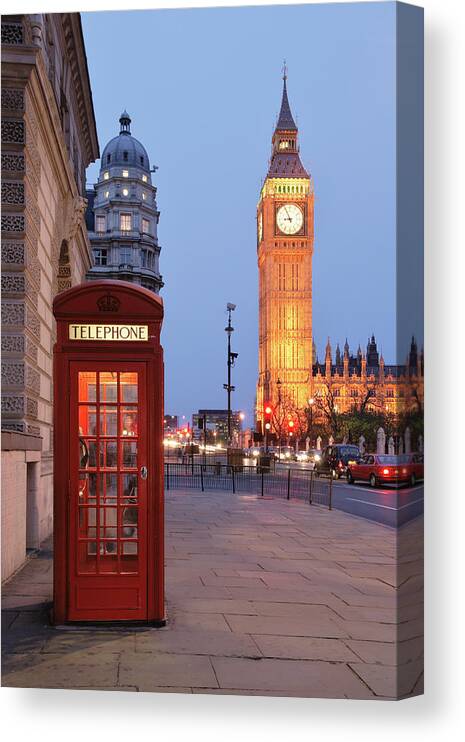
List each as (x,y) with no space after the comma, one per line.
(289,484)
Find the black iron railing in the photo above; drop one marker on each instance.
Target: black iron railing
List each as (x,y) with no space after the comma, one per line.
(288,483)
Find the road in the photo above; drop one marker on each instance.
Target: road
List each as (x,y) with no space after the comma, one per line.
(390,506)
(387,505)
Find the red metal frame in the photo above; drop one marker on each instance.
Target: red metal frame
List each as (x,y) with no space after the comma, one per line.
(103,588)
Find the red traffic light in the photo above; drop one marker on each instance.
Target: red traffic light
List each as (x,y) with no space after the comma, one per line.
(268,410)
(291,423)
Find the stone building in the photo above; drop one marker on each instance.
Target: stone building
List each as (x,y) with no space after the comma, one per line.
(365,380)
(284,253)
(49,137)
(122,215)
(290,378)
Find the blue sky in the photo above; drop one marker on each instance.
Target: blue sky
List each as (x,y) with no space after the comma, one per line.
(203,88)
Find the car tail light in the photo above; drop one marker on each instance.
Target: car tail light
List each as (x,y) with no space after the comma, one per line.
(340,464)
(385,471)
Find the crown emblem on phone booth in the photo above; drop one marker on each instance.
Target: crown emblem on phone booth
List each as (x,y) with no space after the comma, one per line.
(108,303)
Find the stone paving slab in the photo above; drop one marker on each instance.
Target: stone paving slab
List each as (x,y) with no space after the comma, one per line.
(264,597)
(302,677)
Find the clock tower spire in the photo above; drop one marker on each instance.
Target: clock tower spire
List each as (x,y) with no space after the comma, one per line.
(285,250)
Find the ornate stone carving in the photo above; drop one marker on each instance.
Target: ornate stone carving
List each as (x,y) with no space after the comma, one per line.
(13,223)
(13,404)
(12,33)
(64,284)
(31,349)
(12,193)
(108,303)
(12,162)
(13,283)
(12,373)
(13,343)
(33,430)
(33,322)
(31,407)
(33,211)
(13,253)
(13,313)
(17,427)
(13,131)
(75,214)
(13,99)
(32,379)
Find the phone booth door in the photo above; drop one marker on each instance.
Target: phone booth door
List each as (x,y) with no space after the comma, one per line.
(108,492)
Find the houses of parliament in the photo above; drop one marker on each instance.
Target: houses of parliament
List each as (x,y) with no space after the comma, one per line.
(289,368)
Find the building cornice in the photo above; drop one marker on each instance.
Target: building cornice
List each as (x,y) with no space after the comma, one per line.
(74,38)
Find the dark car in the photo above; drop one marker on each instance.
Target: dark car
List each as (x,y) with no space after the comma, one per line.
(336,458)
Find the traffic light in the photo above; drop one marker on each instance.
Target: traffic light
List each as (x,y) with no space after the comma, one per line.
(268,411)
(290,425)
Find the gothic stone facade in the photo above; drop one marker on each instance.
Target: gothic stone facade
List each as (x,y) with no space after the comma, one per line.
(364,380)
(290,376)
(285,250)
(48,139)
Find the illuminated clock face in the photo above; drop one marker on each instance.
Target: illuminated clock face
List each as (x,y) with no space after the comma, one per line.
(260,226)
(289,219)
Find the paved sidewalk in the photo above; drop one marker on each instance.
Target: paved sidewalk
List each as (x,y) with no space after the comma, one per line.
(264,597)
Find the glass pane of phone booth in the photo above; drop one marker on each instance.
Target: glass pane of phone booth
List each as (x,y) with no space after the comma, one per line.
(108,522)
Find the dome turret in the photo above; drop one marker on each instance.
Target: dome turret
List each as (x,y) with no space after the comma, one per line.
(125,149)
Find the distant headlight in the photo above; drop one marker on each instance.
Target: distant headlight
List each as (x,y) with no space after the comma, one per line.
(317,457)
(254,453)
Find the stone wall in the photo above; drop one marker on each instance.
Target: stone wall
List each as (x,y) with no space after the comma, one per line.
(48,138)
(21,507)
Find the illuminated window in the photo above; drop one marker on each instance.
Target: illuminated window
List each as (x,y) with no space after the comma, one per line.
(100,223)
(106,176)
(125,173)
(125,222)
(390,393)
(145,226)
(107,194)
(144,196)
(125,191)
(144,178)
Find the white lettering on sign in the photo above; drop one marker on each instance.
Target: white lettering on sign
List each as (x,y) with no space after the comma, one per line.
(128,333)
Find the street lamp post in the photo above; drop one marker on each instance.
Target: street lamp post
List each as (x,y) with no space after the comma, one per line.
(278,384)
(231,358)
(311,402)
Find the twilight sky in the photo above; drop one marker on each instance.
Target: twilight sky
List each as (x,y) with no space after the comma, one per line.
(203,89)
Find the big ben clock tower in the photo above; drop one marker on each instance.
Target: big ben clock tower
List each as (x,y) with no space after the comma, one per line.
(285,249)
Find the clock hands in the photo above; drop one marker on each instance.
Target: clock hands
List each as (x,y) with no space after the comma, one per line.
(289,218)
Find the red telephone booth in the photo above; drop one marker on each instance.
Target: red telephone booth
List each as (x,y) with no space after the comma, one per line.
(108,454)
